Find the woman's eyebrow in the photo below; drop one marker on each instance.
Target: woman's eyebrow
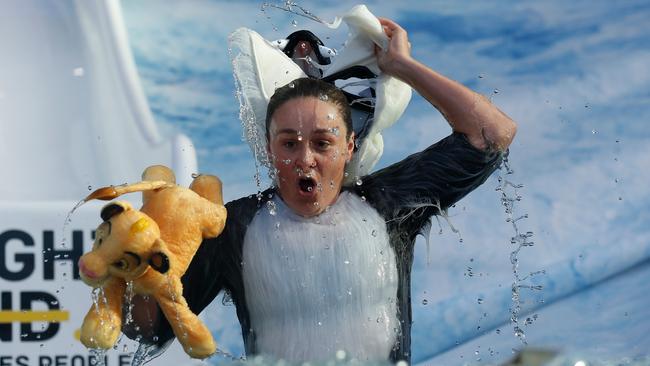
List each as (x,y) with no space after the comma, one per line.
(290,131)
(325,130)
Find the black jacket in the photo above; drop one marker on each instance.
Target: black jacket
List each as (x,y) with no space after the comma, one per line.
(406,194)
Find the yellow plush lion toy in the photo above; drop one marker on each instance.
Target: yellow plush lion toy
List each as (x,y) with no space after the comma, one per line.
(151,248)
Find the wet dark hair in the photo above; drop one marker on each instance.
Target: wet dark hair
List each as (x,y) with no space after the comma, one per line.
(308,87)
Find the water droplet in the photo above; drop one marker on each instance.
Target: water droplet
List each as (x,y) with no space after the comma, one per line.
(496,91)
(78,71)
(358,181)
(323,97)
(294,23)
(292,85)
(374,233)
(331,116)
(340,355)
(90,188)
(481,76)
(498,331)
(479,300)
(594,131)
(286,161)
(346,261)
(425,302)
(519,332)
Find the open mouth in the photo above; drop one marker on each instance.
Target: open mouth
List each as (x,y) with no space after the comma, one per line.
(307,185)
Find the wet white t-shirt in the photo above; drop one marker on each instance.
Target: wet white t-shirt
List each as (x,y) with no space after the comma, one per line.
(315,286)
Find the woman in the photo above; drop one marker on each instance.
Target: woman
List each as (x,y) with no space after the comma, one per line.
(314,267)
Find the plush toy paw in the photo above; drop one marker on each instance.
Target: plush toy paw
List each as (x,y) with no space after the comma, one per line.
(99,333)
(202,348)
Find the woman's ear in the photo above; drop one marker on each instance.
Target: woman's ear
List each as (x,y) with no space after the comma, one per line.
(350,147)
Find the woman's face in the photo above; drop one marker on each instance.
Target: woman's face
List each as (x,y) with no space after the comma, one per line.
(309,151)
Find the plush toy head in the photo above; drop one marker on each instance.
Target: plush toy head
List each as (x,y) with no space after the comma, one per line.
(126,244)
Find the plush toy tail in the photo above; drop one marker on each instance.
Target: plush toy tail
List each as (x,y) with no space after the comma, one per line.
(112,192)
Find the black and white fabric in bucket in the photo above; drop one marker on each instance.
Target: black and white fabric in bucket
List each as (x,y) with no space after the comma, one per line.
(377,100)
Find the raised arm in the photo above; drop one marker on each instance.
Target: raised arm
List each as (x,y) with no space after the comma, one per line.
(466,111)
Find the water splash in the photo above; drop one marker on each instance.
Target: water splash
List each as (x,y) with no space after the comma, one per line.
(99,356)
(68,220)
(509,196)
(99,300)
(128,297)
(145,354)
(293,8)
(250,131)
(270,205)
(172,295)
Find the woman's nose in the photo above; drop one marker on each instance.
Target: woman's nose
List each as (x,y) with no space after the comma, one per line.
(306,160)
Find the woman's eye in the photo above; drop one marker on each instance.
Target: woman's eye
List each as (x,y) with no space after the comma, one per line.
(323,144)
(289,144)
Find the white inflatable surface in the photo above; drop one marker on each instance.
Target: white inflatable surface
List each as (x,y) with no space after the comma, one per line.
(72,111)
(72,116)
